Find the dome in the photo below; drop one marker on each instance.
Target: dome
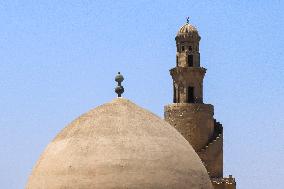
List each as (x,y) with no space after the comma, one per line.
(187,29)
(119,145)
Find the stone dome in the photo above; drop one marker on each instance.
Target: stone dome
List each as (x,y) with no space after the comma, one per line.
(187,29)
(115,146)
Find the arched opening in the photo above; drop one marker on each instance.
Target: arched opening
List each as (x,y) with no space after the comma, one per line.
(177,61)
(174,99)
(190,95)
(177,100)
(190,48)
(182,48)
(190,60)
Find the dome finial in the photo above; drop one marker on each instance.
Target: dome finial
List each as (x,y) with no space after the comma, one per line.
(187,20)
(119,88)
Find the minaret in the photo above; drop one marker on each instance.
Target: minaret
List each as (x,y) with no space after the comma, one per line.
(188,75)
(188,114)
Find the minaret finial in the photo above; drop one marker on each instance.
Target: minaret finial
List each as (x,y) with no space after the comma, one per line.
(187,20)
(119,88)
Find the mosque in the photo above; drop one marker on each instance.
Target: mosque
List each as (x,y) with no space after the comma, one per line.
(120,145)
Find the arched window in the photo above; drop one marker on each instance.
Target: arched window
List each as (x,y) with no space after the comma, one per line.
(178,96)
(182,48)
(177,61)
(190,60)
(175,92)
(190,95)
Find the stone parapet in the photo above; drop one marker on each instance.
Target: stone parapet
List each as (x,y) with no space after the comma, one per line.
(224,183)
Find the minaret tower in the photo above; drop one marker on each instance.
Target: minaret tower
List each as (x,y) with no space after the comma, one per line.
(188,114)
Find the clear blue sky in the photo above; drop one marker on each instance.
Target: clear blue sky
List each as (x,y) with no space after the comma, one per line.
(59,58)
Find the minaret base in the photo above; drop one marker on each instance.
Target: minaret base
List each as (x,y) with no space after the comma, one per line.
(193,120)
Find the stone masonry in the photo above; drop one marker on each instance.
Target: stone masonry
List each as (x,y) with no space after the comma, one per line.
(189,115)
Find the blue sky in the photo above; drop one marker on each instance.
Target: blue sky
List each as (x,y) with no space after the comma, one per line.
(59,58)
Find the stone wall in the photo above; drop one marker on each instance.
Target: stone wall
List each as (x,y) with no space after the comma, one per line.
(212,153)
(194,121)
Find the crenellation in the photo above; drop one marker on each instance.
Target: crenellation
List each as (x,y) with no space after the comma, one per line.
(224,183)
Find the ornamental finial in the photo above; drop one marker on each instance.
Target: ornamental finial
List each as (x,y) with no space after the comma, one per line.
(119,88)
(187,20)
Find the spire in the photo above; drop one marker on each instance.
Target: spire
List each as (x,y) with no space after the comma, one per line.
(119,88)
(187,20)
